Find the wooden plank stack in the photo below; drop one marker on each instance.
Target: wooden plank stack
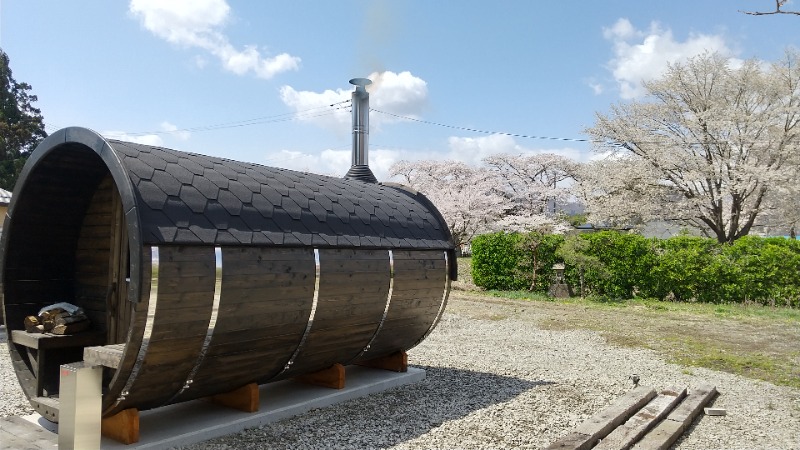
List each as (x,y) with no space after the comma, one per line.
(641,420)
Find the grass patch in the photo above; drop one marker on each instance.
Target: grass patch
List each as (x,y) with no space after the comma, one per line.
(753,341)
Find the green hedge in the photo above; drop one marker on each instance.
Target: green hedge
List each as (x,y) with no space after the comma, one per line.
(494,261)
(623,265)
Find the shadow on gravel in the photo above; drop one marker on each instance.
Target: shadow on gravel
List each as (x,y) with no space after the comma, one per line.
(388,418)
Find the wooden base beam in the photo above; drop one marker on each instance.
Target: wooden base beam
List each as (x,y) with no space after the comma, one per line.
(332,377)
(122,427)
(244,399)
(396,362)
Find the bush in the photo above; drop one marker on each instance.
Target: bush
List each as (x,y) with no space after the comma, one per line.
(620,266)
(495,259)
(505,261)
(769,269)
(536,256)
(685,267)
(627,261)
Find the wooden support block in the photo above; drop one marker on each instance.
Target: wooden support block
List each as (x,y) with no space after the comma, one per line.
(332,377)
(244,399)
(637,426)
(122,427)
(396,362)
(599,425)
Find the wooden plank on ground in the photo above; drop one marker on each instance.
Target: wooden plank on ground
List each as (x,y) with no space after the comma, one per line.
(599,425)
(634,428)
(679,420)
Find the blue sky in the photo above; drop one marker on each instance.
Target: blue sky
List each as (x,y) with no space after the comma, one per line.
(252,80)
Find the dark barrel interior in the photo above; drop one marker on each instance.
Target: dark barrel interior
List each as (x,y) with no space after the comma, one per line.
(202,274)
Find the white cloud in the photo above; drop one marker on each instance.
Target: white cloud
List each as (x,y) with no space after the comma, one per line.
(401,93)
(332,162)
(150,138)
(182,135)
(320,108)
(197,23)
(644,55)
(473,150)
(398,93)
(146,139)
(597,88)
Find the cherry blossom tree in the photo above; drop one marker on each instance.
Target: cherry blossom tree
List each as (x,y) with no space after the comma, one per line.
(712,146)
(531,181)
(778,5)
(468,198)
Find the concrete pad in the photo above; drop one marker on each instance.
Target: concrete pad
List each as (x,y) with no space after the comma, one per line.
(199,420)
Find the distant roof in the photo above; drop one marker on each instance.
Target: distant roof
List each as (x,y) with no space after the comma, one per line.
(5,197)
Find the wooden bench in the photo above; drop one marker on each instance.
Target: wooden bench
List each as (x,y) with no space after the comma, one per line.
(104,355)
(46,352)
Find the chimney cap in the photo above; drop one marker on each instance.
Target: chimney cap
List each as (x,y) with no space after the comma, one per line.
(361,81)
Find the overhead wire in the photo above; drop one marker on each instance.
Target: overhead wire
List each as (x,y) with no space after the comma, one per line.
(475,130)
(310,113)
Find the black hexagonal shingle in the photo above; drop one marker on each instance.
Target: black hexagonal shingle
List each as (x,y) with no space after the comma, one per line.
(152,196)
(217,178)
(263,206)
(191,165)
(153,160)
(205,187)
(230,202)
(241,191)
(182,174)
(290,207)
(139,168)
(166,182)
(193,198)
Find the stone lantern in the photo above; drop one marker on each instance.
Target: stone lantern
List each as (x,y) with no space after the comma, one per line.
(559,289)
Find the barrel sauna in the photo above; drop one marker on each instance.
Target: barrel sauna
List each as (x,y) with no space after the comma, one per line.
(209,274)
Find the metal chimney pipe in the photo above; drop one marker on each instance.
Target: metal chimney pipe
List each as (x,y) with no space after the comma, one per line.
(360,121)
(359,169)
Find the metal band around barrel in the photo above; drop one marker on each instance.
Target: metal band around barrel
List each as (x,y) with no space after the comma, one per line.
(385,308)
(444,298)
(212,323)
(310,316)
(152,302)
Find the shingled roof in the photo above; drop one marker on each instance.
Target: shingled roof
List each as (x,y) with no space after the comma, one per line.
(186,198)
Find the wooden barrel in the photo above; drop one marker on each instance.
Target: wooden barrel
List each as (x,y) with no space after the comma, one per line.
(205,274)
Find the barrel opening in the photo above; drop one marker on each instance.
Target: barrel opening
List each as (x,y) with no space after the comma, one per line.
(67,243)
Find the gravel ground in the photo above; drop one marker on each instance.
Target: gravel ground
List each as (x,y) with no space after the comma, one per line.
(497,381)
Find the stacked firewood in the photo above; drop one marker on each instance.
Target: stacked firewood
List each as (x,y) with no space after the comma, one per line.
(60,318)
